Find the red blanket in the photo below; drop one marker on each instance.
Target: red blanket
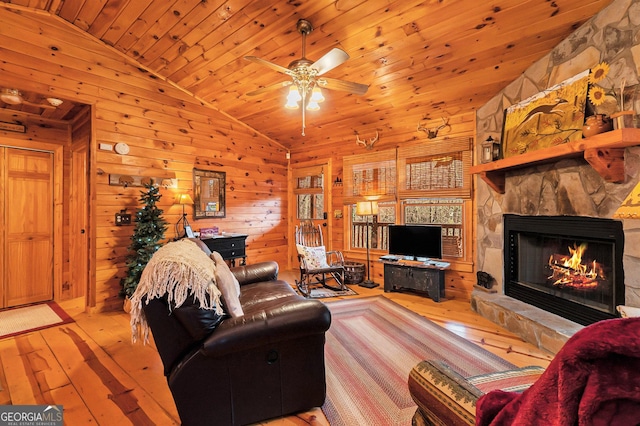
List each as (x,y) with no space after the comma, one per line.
(593,380)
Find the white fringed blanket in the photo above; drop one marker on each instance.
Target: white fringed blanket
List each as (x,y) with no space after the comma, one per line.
(176,269)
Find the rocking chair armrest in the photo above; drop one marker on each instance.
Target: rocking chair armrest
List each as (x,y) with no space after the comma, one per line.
(338,255)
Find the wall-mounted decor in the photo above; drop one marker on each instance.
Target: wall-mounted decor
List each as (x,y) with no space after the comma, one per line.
(551,117)
(209,194)
(12,127)
(139,181)
(367,143)
(433,133)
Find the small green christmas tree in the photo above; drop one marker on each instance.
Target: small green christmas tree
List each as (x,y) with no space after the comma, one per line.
(146,238)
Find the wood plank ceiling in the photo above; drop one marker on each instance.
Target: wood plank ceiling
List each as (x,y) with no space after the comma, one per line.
(419,58)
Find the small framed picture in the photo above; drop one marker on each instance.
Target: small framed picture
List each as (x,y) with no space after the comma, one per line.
(188,232)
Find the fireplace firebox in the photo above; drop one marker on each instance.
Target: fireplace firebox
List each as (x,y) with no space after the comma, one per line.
(568,265)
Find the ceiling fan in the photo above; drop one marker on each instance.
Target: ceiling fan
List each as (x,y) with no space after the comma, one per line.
(14,97)
(307,77)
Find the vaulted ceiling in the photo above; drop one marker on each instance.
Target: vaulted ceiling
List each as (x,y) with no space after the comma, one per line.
(420,59)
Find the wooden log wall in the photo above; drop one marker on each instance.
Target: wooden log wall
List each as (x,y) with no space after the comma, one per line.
(459,283)
(169,133)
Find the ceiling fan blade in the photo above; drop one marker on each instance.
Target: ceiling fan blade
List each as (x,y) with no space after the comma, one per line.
(270,87)
(346,86)
(268,64)
(330,60)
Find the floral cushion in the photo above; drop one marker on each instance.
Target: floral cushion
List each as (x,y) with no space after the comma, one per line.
(315,257)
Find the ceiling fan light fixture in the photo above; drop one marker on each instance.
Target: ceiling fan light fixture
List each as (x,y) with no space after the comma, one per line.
(54,102)
(293,98)
(316,95)
(11,96)
(313,106)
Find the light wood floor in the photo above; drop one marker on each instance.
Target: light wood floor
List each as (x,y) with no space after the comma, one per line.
(93,370)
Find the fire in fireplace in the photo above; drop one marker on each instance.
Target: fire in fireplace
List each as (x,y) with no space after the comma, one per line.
(571,266)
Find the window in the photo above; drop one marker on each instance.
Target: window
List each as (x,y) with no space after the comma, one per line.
(447,212)
(370,175)
(309,193)
(427,183)
(378,227)
(435,170)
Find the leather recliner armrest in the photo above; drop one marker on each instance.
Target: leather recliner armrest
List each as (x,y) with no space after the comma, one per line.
(288,321)
(262,271)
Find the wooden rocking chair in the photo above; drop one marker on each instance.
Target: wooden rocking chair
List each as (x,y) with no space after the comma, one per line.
(317,265)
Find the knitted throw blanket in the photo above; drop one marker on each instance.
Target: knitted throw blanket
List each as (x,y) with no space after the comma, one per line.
(176,270)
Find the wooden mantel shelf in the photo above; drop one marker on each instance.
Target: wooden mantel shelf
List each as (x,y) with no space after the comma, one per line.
(604,152)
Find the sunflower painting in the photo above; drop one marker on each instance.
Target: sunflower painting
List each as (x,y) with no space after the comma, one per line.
(551,117)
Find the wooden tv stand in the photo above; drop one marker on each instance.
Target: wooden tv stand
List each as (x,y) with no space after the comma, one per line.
(413,275)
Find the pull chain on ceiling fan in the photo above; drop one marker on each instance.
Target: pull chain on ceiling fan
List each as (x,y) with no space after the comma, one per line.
(305,75)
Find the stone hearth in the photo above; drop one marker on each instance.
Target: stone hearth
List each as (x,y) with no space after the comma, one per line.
(541,328)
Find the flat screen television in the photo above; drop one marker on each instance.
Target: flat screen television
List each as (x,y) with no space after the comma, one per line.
(416,240)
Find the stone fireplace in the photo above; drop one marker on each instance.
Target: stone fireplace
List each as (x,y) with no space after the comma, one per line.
(566,187)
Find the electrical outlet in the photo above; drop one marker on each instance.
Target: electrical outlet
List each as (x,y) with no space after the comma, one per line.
(123,218)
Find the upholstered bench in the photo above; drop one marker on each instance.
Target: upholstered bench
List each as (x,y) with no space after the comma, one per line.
(445,397)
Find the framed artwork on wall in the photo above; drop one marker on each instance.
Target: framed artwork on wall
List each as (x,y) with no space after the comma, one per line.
(551,117)
(209,194)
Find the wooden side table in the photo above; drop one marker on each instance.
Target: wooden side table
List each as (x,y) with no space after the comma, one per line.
(230,247)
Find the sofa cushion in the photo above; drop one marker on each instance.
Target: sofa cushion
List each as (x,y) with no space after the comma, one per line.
(179,272)
(228,285)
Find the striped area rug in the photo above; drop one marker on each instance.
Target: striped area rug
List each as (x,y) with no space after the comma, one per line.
(16,321)
(324,292)
(371,347)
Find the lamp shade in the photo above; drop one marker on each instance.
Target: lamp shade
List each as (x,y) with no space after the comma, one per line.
(183,199)
(630,207)
(366,208)
(293,98)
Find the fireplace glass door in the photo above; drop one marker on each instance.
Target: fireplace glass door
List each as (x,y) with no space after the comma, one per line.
(570,266)
(579,270)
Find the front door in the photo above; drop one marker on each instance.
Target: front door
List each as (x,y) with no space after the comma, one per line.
(310,198)
(26,240)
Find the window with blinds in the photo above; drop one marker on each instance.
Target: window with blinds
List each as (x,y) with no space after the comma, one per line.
(369,175)
(436,169)
(419,184)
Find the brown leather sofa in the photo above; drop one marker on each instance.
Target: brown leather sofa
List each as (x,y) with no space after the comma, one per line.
(233,371)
